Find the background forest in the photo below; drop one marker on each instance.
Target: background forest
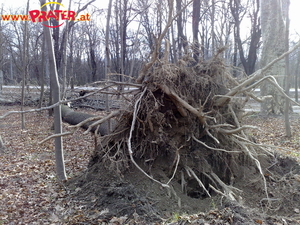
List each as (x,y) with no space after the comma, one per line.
(134,26)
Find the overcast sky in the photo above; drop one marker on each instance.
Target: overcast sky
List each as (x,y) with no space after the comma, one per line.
(34,4)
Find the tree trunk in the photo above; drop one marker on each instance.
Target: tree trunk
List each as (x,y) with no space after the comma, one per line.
(273,46)
(73,117)
(56,37)
(296,77)
(25,68)
(123,36)
(1,81)
(248,61)
(213,35)
(42,74)
(59,157)
(64,61)
(196,20)
(107,52)
(287,74)
(71,72)
(181,39)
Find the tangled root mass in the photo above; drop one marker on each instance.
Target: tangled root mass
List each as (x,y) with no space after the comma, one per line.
(180,130)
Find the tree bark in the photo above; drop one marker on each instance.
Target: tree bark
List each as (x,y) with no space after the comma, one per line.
(59,157)
(273,28)
(195,23)
(25,67)
(296,77)
(42,74)
(1,81)
(73,117)
(107,52)
(181,39)
(64,61)
(287,124)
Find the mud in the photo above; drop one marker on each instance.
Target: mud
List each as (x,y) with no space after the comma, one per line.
(143,201)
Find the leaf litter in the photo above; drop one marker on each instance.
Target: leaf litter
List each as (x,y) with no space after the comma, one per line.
(30,193)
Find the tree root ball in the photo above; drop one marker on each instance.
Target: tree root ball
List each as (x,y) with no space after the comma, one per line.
(181,151)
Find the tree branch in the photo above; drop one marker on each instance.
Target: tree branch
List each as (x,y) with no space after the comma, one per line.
(179,102)
(252,78)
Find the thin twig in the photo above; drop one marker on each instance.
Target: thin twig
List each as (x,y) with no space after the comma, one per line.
(86,121)
(55,135)
(111,115)
(118,82)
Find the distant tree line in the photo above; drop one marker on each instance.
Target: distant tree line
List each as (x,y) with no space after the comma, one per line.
(134,26)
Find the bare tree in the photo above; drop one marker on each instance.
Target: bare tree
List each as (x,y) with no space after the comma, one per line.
(287,71)
(93,36)
(42,76)
(181,38)
(64,59)
(297,76)
(59,156)
(107,52)
(1,81)
(71,60)
(196,20)
(25,66)
(238,12)
(273,29)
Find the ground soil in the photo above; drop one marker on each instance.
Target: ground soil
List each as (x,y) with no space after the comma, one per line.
(140,199)
(31,195)
(136,199)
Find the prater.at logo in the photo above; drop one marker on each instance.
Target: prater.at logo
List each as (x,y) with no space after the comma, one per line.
(56,14)
(42,16)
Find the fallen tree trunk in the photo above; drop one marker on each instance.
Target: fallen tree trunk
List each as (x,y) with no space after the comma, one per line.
(74,117)
(4,101)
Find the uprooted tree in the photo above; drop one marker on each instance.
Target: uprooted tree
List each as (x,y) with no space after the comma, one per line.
(186,121)
(182,129)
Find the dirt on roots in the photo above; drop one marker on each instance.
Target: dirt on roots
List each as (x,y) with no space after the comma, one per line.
(198,171)
(142,201)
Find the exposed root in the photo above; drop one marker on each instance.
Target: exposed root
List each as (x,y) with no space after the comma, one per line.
(215,149)
(190,172)
(193,110)
(98,122)
(237,130)
(136,109)
(180,104)
(54,136)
